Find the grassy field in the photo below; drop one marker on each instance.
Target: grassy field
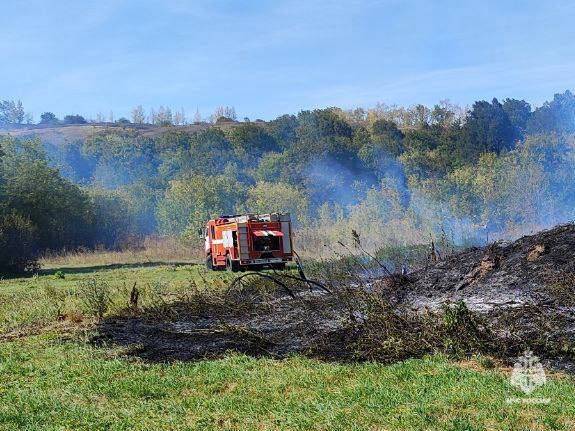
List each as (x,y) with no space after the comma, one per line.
(151,250)
(39,301)
(53,378)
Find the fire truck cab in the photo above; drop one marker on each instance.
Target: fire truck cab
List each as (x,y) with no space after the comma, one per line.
(251,241)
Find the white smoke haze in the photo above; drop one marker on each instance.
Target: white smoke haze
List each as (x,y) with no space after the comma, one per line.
(385,212)
(382,207)
(532,188)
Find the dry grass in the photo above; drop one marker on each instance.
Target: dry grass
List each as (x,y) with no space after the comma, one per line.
(152,249)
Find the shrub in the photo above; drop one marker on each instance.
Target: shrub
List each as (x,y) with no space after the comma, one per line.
(74,119)
(18,252)
(55,298)
(95,296)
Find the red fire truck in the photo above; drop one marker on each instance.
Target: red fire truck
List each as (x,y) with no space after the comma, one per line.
(251,241)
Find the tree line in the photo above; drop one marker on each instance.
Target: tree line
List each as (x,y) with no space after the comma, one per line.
(41,210)
(12,114)
(395,175)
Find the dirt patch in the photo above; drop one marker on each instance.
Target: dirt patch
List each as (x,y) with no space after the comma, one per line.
(496,300)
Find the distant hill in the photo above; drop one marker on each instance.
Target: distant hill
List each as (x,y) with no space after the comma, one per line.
(58,134)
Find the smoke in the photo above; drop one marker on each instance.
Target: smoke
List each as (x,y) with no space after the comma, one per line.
(500,198)
(380,207)
(127,180)
(72,163)
(329,181)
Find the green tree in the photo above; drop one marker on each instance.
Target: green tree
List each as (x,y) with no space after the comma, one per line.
(11,112)
(48,118)
(284,130)
(442,116)
(74,119)
(324,134)
(210,151)
(555,116)
(112,222)
(141,201)
(188,203)
(276,167)
(519,113)
(431,152)
(18,249)
(250,140)
(385,142)
(206,152)
(58,209)
(123,157)
(488,128)
(265,197)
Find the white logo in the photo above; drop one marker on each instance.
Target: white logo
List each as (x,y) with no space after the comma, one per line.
(528,374)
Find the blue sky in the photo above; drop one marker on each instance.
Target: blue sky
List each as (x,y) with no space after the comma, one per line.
(267,58)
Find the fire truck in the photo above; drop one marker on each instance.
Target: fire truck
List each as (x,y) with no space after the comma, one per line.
(251,241)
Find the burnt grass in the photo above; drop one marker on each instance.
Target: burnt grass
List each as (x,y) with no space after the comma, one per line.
(498,301)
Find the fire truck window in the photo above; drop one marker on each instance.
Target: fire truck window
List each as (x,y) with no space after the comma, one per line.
(213,232)
(235,238)
(266,243)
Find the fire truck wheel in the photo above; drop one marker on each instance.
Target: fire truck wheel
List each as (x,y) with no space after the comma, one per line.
(279,266)
(210,263)
(231,265)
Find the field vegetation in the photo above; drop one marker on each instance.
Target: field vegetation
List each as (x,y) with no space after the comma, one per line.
(57,375)
(148,251)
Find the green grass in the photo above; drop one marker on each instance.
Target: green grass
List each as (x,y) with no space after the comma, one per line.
(52,384)
(33,301)
(56,382)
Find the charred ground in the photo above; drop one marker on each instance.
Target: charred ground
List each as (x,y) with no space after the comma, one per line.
(497,300)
